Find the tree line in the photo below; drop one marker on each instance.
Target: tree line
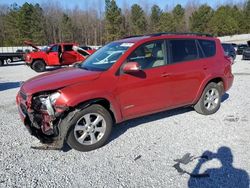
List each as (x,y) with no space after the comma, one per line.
(50,23)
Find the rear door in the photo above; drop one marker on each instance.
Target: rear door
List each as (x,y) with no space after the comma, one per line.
(145,91)
(185,70)
(69,56)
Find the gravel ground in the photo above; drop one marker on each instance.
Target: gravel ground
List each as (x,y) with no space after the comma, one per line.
(141,152)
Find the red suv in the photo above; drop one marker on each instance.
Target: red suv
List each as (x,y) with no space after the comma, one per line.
(54,55)
(124,79)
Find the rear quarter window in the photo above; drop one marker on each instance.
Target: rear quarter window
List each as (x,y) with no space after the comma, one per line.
(208,47)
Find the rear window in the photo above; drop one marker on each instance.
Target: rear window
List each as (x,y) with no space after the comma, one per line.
(183,50)
(208,47)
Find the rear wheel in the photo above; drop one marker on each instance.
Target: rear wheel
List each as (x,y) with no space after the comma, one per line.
(90,128)
(210,100)
(38,66)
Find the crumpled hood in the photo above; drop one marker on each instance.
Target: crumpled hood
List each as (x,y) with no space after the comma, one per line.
(58,79)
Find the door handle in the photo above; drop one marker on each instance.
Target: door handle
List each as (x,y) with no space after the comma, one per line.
(165,74)
(204,67)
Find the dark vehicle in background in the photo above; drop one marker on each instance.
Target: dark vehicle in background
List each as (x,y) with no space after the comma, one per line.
(241,48)
(229,50)
(11,57)
(235,46)
(246,52)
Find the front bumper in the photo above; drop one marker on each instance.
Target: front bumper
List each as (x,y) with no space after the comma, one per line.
(26,116)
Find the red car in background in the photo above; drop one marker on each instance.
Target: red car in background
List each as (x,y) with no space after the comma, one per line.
(55,55)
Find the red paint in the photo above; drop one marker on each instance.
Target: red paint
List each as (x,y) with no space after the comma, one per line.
(137,93)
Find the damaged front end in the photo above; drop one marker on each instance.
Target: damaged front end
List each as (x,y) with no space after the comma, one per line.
(42,116)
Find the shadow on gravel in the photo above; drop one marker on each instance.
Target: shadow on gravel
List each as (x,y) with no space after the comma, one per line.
(225,176)
(224,97)
(121,128)
(9,85)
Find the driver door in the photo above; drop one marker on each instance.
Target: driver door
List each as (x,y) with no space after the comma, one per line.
(146,91)
(53,58)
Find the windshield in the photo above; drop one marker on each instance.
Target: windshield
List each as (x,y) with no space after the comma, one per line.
(45,49)
(105,57)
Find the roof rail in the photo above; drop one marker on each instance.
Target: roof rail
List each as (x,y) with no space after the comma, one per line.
(180,33)
(170,33)
(132,36)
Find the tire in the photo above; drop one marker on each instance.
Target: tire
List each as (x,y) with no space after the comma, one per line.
(84,134)
(9,60)
(1,62)
(210,100)
(38,66)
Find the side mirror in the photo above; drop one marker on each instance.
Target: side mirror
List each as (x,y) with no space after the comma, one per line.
(131,67)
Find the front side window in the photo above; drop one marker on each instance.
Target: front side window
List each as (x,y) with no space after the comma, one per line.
(149,55)
(105,57)
(54,48)
(182,50)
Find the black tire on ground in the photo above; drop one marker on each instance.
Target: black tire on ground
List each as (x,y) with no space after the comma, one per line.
(202,106)
(1,62)
(79,118)
(38,66)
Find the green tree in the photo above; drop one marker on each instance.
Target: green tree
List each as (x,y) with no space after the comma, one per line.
(12,32)
(138,20)
(223,22)
(113,20)
(179,18)
(200,18)
(66,29)
(166,23)
(37,25)
(246,17)
(155,16)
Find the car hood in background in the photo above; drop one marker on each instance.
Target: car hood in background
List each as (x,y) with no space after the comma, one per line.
(31,44)
(58,79)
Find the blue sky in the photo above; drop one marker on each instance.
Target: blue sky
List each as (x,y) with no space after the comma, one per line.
(84,4)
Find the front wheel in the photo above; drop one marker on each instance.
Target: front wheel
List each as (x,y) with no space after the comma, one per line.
(210,100)
(90,128)
(38,66)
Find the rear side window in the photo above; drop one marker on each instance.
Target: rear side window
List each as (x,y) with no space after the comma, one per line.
(208,47)
(68,47)
(182,50)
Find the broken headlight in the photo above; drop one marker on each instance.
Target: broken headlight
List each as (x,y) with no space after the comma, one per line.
(54,96)
(46,102)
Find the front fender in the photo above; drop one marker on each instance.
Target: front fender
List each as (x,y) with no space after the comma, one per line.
(75,99)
